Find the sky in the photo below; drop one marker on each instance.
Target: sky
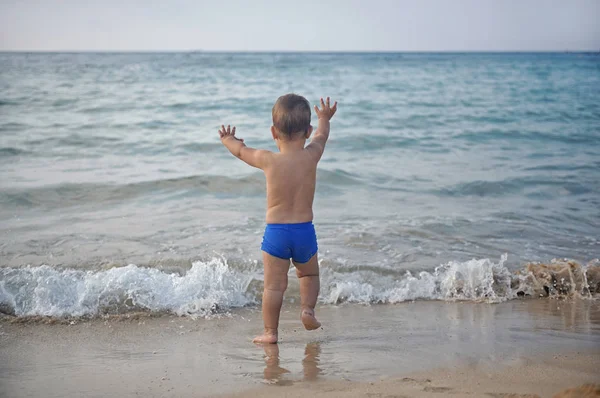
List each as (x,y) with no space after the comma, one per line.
(300,25)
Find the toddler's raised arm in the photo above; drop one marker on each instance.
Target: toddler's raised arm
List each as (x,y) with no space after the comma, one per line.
(254,157)
(317,144)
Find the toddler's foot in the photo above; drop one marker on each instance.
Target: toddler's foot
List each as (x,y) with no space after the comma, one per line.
(308,319)
(266,338)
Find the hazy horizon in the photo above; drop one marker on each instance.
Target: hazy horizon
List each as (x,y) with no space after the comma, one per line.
(159,51)
(309,26)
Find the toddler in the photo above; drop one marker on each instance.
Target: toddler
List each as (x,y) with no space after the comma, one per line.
(291,176)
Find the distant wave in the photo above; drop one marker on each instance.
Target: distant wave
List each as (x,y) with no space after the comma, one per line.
(14,127)
(99,145)
(64,195)
(198,147)
(373,142)
(90,136)
(216,286)
(73,140)
(510,186)
(516,136)
(11,151)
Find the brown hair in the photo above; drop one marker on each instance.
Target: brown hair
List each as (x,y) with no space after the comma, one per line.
(291,114)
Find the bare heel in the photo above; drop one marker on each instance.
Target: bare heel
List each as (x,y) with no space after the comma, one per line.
(309,321)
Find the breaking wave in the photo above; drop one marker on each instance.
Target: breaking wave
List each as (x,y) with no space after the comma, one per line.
(215,286)
(201,291)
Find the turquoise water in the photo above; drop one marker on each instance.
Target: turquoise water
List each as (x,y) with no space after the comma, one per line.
(114,159)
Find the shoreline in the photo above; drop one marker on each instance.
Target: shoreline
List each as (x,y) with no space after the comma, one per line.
(526,377)
(445,342)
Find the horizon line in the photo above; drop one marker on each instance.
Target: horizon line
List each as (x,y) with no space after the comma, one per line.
(306,51)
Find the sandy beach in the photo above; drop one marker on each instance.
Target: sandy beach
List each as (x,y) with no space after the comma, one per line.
(412,349)
(433,164)
(523,378)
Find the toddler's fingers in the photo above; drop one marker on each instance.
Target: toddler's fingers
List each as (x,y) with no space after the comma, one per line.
(334,107)
(328,102)
(228,129)
(233,131)
(322,103)
(223,128)
(317,110)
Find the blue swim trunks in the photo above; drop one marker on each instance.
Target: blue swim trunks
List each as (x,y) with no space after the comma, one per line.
(295,241)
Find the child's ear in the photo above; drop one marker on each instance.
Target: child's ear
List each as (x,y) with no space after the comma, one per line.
(309,132)
(274,133)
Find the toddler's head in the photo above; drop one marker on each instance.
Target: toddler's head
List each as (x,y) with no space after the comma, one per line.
(291,118)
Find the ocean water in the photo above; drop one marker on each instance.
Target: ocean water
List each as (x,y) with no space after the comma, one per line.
(444,175)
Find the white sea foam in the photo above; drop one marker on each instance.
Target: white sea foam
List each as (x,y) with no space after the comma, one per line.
(476,280)
(46,291)
(215,286)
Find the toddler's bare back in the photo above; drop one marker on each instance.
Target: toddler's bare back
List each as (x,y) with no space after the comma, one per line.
(291,178)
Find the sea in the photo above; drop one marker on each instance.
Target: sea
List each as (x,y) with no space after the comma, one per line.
(445,174)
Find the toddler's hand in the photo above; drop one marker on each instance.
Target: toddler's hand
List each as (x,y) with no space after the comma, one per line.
(228,132)
(326,111)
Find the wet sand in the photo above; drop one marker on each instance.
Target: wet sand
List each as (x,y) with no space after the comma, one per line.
(412,349)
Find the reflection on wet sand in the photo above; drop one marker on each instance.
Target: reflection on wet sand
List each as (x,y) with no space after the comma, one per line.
(310,363)
(273,372)
(579,316)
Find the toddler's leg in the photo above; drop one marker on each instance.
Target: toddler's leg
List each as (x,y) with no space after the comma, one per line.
(308,274)
(276,281)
